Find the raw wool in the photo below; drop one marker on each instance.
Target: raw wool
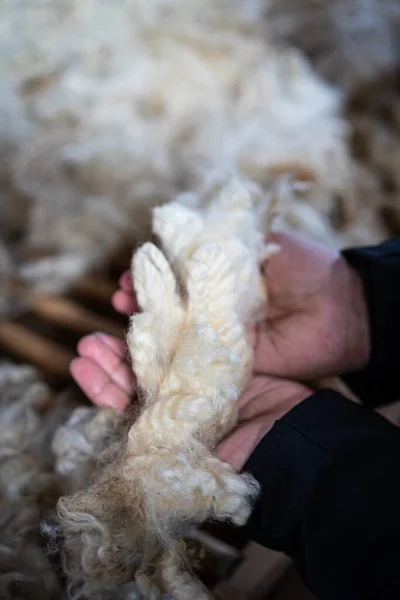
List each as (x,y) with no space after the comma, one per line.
(192,360)
(28,484)
(348,42)
(77,445)
(118,106)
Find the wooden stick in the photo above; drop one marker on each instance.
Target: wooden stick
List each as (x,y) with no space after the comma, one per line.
(256,576)
(214,545)
(68,313)
(96,287)
(220,558)
(50,357)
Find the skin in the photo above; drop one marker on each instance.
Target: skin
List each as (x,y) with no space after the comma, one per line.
(317,327)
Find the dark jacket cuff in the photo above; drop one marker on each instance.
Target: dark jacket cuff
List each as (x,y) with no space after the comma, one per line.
(379,269)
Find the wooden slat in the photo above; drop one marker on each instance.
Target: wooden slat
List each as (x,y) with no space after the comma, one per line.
(48,356)
(220,558)
(96,287)
(256,576)
(67,313)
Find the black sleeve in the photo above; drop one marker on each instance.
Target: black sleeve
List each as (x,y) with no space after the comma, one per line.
(379,268)
(330,479)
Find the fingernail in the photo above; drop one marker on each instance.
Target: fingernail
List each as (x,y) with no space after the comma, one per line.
(101,335)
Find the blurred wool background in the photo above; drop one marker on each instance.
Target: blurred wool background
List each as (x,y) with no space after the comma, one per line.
(110,107)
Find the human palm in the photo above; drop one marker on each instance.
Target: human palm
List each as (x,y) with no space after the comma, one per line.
(317,323)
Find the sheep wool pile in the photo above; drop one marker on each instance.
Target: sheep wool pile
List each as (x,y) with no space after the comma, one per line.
(110,108)
(356,46)
(192,360)
(29,484)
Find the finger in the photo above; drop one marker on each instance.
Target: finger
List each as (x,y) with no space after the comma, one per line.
(116,345)
(125,282)
(124,302)
(98,386)
(110,354)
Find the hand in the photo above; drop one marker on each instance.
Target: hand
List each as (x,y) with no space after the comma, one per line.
(317,320)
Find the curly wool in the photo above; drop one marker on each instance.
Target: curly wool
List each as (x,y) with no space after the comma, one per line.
(192,361)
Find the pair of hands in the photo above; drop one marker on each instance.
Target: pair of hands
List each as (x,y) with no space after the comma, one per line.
(317,327)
